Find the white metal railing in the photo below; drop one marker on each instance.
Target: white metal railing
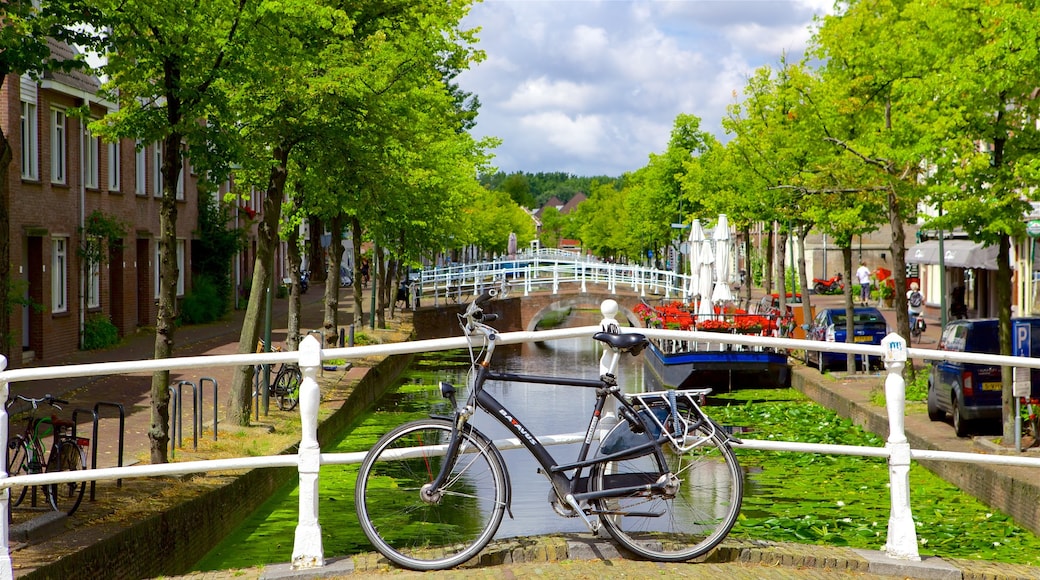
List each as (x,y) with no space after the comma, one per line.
(308,552)
(544,270)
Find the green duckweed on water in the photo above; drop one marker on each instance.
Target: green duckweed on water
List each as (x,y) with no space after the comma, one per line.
(789,497)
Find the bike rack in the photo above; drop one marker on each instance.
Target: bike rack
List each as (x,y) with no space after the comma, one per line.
(177,415)
(94,434)
(122,433)
(202,381)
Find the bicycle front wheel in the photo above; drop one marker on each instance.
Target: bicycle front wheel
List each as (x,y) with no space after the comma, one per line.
(679,523)
(67,456)
(424,529)
(287,387)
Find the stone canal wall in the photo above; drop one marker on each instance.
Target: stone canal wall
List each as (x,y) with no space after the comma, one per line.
(173,541)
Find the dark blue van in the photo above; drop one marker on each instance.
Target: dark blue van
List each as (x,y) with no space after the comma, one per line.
(972,392)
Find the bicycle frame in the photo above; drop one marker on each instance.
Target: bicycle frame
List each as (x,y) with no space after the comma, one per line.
(571,489)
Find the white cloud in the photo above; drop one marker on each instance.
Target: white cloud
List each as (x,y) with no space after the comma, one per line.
(592,87)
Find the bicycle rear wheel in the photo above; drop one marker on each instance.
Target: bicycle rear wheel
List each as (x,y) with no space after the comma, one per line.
(17,464)
(681,523)
(67,456)
(287,387)
(440,529)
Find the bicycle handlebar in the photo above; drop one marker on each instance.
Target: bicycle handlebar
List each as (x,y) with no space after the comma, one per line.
(49,399)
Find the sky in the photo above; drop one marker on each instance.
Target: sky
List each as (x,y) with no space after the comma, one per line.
(593,87)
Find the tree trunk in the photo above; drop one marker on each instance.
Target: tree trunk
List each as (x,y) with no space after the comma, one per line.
(803,281)
(315,253)
(846,264)
(781,270)
(379,264)
(331,301)
(767,279)
(241,385)
(898,249)
(165,324)
(359,308)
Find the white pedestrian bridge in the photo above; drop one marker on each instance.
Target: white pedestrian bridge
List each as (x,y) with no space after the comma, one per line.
(901,543)
(547,270)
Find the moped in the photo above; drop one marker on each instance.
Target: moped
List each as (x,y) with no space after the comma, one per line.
(834,285)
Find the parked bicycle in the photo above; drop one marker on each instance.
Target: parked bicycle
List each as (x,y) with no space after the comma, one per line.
(917,326)
(663,481)
(26,454)
(286,384)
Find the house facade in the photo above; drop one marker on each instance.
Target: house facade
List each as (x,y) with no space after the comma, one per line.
(59,177)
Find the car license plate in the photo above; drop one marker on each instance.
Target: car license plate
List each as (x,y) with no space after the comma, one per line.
(862,339)
(992,386)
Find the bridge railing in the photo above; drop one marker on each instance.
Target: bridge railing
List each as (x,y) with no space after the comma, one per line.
(308,552)
(539,272)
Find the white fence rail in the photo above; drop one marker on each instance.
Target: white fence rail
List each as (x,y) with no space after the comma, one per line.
(541,271)
(308,551)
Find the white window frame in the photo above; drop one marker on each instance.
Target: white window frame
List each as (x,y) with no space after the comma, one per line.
(180,181)
(91,159)
(30,142)
(94,279)
(140,169)
(157,183)
(156,277)
(180,267)
(59,275)
(59,147)
(115,165)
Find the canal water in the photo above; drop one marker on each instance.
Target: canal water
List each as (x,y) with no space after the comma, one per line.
(268,534)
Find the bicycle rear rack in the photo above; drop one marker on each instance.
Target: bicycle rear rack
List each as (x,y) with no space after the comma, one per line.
(676,427)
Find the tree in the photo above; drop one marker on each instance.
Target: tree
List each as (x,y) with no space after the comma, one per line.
(164,58)
(26,31)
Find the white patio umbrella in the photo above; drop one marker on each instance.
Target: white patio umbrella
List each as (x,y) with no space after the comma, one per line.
(722,291)
(696,242)
(707,266)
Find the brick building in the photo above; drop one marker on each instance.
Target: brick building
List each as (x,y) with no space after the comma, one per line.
(59,175)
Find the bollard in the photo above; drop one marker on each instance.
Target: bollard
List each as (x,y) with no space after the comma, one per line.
(350,336)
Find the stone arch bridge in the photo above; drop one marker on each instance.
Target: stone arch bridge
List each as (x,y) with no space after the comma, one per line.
(519,313)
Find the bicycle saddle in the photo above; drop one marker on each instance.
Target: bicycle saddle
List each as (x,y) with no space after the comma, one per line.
(633,343)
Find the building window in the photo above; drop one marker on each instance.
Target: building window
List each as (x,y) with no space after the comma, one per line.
(179,257)
(90,160)
(59,275)
(180,267)
(59,161)
(157,181)
(181,179)
(30,142)
(93,277)
(114,166)
(140,171)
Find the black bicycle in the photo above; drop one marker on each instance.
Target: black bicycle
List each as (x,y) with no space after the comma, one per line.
(663,481)
(26,455)
(286,384)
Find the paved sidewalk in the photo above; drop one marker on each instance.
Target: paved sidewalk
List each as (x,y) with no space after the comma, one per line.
(132,391)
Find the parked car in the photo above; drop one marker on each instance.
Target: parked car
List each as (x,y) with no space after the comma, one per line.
(829,326)
(971,393)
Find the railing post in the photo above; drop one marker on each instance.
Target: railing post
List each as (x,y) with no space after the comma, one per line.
(307,549)
(6,566)
(902,535)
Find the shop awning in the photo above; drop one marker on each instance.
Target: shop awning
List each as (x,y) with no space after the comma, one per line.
(957,254)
